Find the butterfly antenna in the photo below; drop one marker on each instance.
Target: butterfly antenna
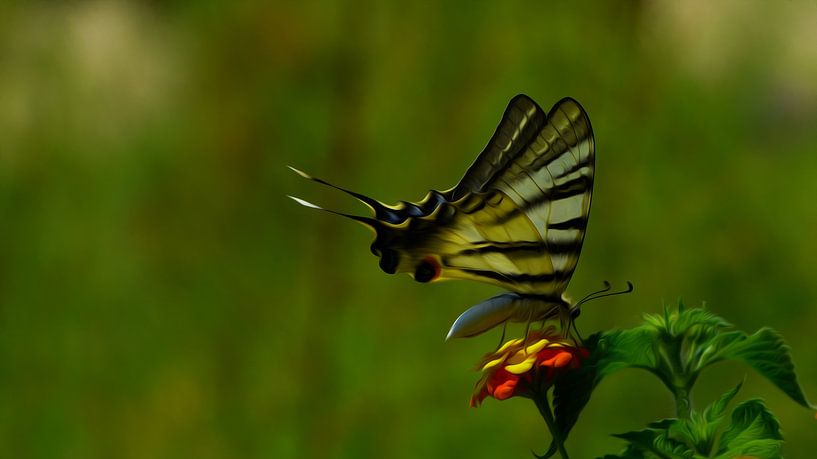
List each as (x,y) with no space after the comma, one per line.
(606,288)
(622,292)
(576,310)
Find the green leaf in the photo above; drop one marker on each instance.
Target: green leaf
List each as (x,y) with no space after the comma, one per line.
(714,412)
(753,431)
(682,321)
(668,447)
(700,430)
(621,349)
(750,421)
(677,345)
(654,442)
(766,352)
(761,449)
(689,432)
(668,345)
(640,438)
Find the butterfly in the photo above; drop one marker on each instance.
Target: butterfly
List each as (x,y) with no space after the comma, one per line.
(516,219)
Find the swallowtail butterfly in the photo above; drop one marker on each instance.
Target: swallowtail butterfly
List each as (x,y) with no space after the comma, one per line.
(517,218)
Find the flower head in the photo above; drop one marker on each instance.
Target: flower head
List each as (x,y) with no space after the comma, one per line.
(522,367)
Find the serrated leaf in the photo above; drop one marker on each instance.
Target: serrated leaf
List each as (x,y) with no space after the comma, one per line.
(700,430)
(685,321)
(697,320)
(667,447)
(685,431)
(760,449)
(714,412)
(766,352)
(621,349)
(751,421)
(641,438)
(654,443)
(696,432)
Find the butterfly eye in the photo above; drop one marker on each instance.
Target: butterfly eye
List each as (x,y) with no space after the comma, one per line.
(389,259)
(427,270)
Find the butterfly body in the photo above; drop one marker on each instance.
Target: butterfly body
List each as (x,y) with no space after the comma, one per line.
(515,220)
(482,236)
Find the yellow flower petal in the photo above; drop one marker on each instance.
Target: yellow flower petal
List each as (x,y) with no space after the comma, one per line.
(522,367)
(537,346)
(523,354)
(493,363)
(513,342)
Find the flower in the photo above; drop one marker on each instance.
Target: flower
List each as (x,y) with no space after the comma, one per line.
(519,370)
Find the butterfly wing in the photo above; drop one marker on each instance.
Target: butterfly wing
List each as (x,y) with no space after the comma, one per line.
(536,178)
(520,124)
(516,219)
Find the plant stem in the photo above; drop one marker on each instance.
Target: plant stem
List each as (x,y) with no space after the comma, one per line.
(679,381)
(683,406)
(544,409)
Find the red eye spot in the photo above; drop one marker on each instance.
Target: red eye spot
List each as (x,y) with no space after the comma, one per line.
(434,264)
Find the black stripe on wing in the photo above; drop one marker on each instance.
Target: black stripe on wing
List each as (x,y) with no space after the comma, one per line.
(520,124)
(526,140)
(516,248)
(563,148)
(579,223)
(521,278)
(574,187)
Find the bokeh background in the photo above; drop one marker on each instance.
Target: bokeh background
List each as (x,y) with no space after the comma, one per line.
(161,298)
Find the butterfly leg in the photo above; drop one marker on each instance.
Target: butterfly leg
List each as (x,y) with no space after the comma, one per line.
(527,330)
(502,338)
(564,323)
(573,314)
(578,335)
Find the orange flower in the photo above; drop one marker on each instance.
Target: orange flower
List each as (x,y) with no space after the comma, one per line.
(518,370)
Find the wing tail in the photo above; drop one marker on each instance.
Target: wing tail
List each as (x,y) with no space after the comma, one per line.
(366,221)
(382,212)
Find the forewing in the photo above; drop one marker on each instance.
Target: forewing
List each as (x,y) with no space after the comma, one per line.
(549,177)
(551,181)
(520,124)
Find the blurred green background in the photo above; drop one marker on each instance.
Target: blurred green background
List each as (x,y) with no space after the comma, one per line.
(161,298)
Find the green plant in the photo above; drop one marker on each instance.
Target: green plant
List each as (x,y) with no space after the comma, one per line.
(676,347)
